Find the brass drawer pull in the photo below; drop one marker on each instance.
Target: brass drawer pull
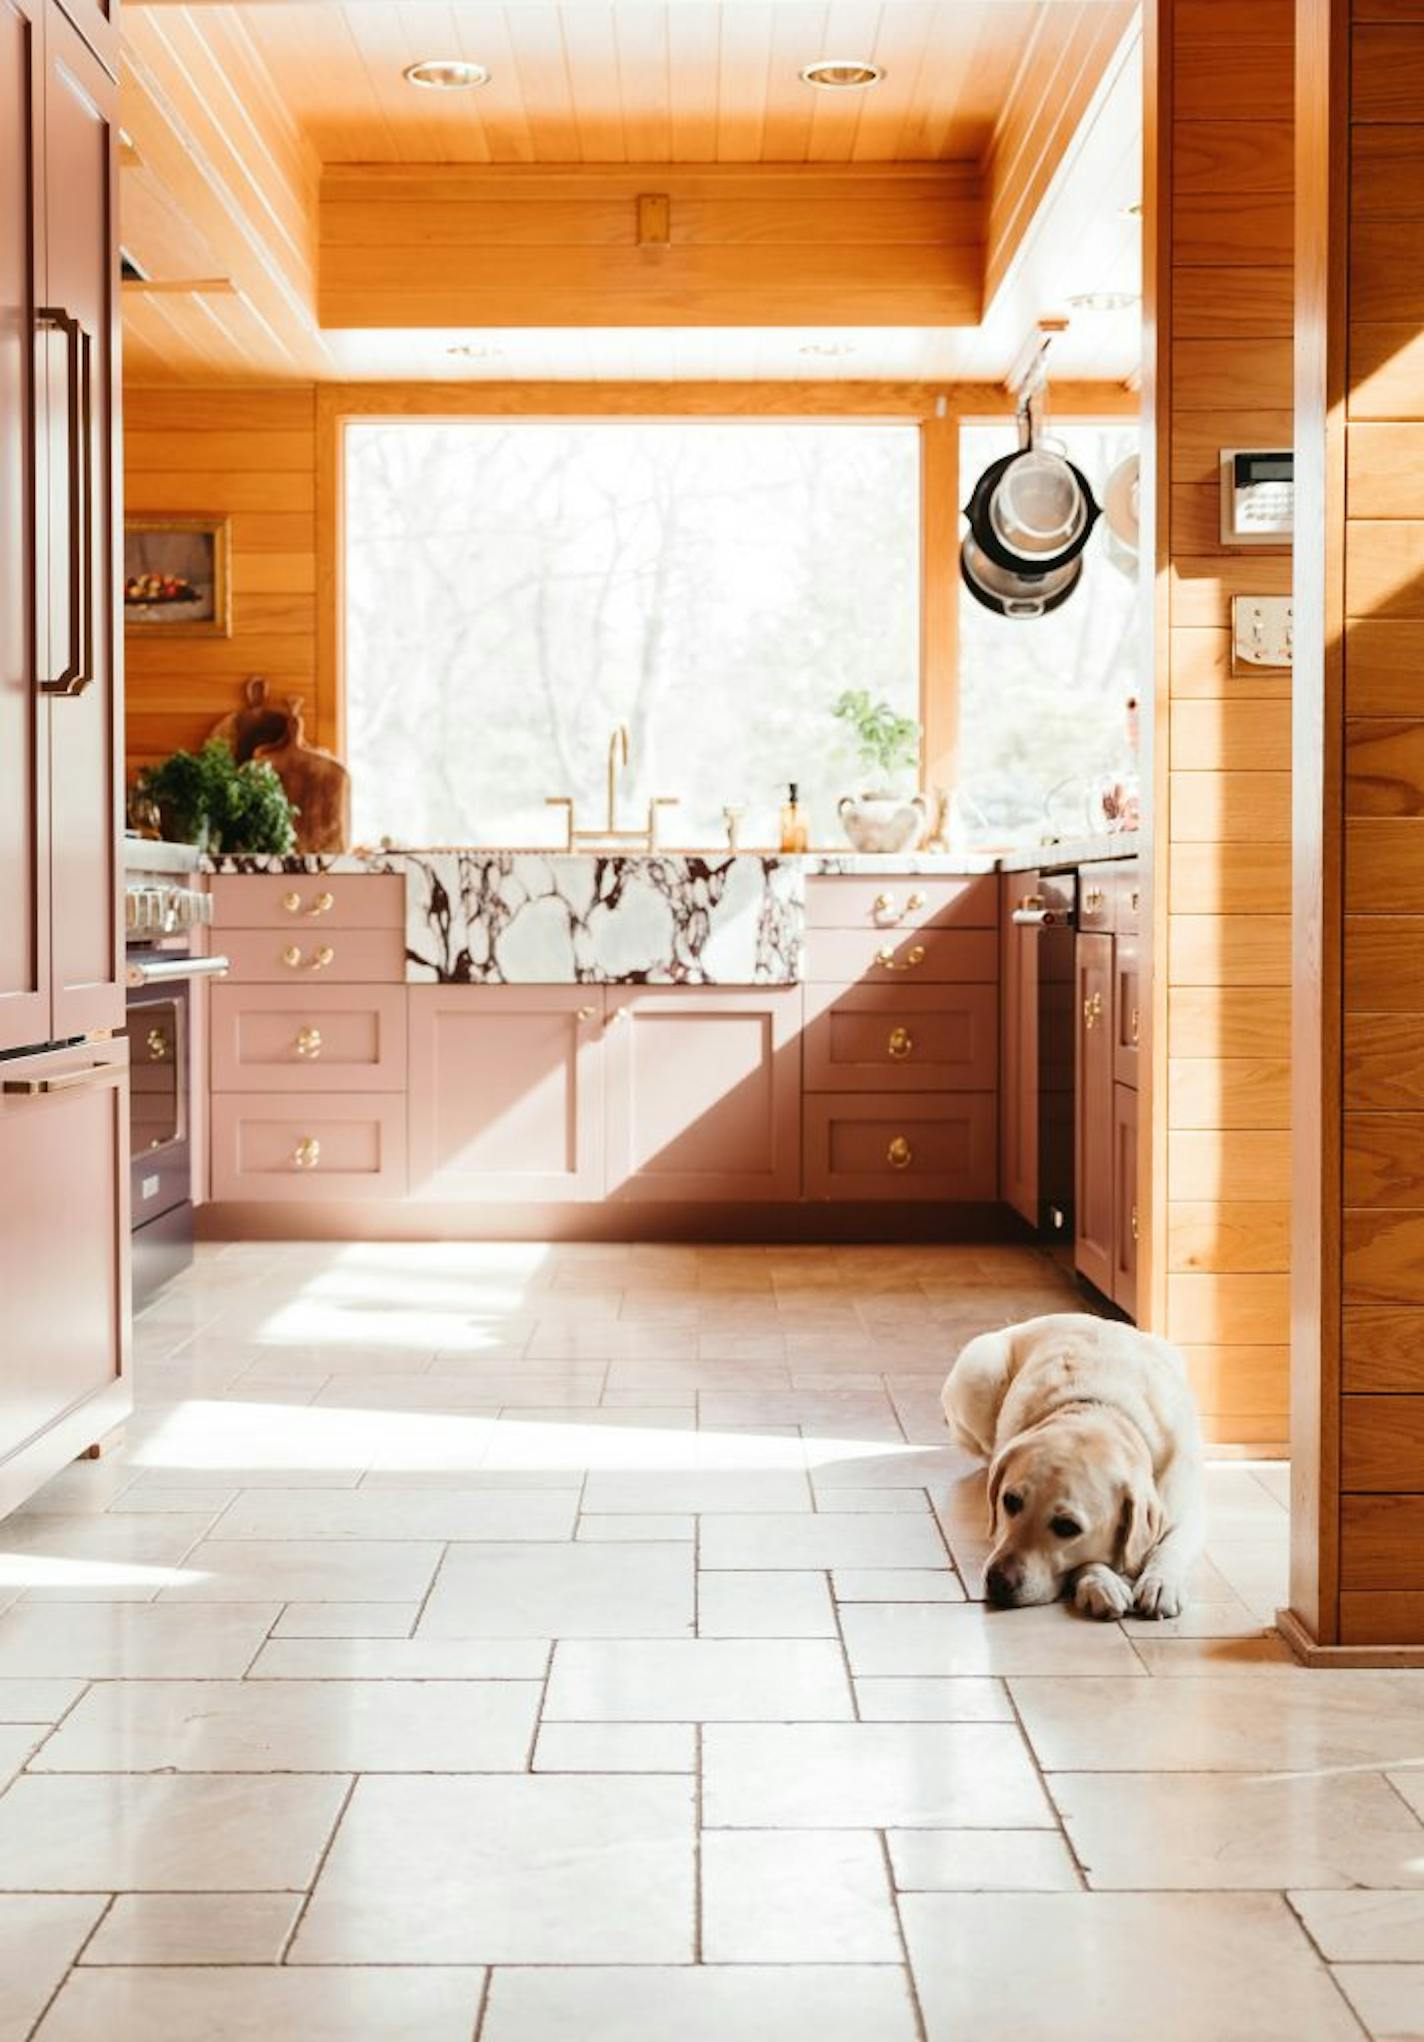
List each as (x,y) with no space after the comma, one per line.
(900,1044)
(309,1043)
(899,1155)
(1093,899)
(1135,1027)
(1092,1010)
(322,905)
(586,1013)
(913,956)
(158,1045)
(307,1153)
(886,911)
(1134,1223)
(318,961)
(916,901)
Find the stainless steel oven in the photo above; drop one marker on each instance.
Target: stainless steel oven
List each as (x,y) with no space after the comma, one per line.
(163,919)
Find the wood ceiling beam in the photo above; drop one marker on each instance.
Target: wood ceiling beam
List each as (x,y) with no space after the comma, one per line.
(747,245)
(1067,59)
(846,399)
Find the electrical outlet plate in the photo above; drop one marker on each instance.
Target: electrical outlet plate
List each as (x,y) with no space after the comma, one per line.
(1261,632)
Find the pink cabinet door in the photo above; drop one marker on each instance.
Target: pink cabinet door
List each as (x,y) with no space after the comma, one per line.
(63,1259)
(704,1094)
(308,1038)
(505,1092)
(1127,1008)
(901,1038)
(1124,1285)
(82,664)
(24,720)
(1093,1175)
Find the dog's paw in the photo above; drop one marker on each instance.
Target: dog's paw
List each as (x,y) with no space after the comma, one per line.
(1101,1594)
(1158,1594)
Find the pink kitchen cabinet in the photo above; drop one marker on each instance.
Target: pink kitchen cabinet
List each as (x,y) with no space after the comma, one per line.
(335,1145)
(308,1038)
(901,1038)
(64,1266)
(704,1094)
(310,956)
(909,1146)
(506,1093)
(309,904)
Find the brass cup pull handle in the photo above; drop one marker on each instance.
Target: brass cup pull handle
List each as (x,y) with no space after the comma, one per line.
(1092,1010)
(899,1155)
(307,1154)
(318,961)
(900,1043)
(913,956)
(309,1043)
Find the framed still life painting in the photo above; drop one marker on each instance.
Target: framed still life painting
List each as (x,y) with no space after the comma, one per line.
(176,580)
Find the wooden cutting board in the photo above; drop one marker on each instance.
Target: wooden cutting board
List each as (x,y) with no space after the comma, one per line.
(318,785)
(257,722)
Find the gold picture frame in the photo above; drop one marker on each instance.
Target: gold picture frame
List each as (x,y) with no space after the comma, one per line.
(186,564)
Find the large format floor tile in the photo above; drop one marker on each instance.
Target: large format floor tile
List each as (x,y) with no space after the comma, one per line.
(544,1868)
(116,1832)
(287,1726)
(825,1539)
(700,1680)
(1204,1830)
(870,1775)
(572,1590)
(794,1897)
(927,1639)
(244,2004)
(96,1641)
(1115,1967)
(40,1936)
(773,2003)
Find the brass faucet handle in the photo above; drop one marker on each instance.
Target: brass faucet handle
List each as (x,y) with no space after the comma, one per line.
(658,801)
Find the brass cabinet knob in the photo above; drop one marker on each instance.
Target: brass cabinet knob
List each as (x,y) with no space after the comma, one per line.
(586,1013)
(885,908)
(307,1153)
(318,961)
(1092,1010)
(915,902)
(321,905)
(309,1042)
(899,1155)
(900,1043)
(158,1045)
(913,956)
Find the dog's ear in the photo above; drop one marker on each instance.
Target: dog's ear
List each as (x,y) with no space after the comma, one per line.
(996,1483)
(1141,1525)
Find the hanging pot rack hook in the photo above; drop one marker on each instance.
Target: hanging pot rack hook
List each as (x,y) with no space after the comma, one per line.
(1027,380)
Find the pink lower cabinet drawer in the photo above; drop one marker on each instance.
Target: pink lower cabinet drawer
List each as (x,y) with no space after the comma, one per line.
(303,957)
(901,1038)
(333,1145)
(896,957)
(704,1094)
(890,904)
(308,1038)
(506,1093)
(931,1145)
(281,900)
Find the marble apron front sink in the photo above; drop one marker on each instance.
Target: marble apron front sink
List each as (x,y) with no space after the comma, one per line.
(482,917)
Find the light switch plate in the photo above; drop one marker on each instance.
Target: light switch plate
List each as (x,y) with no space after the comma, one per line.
(1261,631)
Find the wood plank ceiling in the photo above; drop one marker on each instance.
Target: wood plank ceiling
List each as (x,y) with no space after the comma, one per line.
(235,111)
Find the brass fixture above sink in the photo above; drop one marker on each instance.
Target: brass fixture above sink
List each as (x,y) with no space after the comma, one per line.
(645,839)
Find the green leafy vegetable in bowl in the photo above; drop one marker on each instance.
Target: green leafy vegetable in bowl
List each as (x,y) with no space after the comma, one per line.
(207,798)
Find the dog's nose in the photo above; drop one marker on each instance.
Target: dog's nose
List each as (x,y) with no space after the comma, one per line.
(1001,1585)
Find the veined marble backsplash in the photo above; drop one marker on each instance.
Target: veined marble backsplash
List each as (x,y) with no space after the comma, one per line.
(675,918)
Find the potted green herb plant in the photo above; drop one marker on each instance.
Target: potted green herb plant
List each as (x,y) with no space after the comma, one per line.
(883,817)
(206,798)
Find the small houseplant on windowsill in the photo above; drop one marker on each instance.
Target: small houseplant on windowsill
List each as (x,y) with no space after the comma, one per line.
(883,817)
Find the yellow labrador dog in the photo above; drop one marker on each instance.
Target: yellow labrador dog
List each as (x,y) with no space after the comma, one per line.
(1095,1463)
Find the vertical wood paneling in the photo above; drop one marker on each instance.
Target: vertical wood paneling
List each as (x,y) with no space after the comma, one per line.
(1222,769)
(250,456)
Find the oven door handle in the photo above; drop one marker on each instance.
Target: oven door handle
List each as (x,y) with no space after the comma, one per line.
(161,971)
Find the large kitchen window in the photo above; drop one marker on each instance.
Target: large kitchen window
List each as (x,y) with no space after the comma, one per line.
(1043,702)
(514,591)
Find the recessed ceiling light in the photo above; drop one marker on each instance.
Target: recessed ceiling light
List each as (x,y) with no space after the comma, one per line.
(1104,301)
(474,351)
(828,350)
(445,74)
(842,74)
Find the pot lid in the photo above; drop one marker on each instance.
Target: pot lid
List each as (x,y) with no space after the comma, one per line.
(1011,594)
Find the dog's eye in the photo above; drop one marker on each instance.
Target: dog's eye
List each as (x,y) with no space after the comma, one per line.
(1013,1504)
(1064,1527)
